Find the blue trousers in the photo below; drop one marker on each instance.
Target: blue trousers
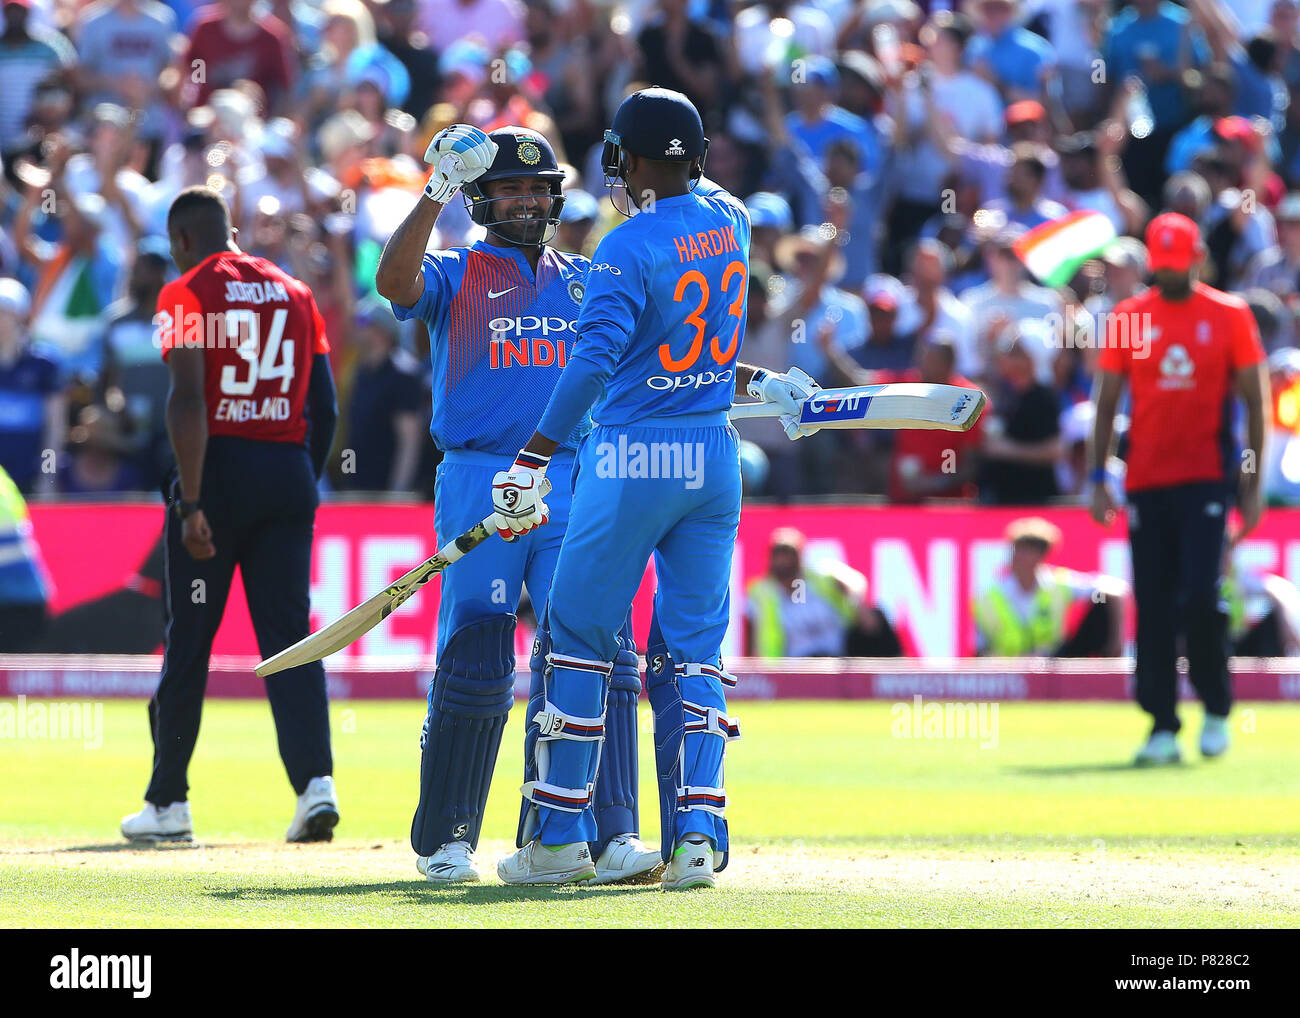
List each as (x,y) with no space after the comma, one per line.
(489,581)
(668,488)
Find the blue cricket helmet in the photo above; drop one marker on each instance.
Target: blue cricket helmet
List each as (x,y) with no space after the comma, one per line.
(655,123)
(521,152)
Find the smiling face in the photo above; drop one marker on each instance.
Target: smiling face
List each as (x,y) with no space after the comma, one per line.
(519,209)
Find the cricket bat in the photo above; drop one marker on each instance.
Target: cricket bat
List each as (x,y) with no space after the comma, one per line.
(365,616)
(890,406)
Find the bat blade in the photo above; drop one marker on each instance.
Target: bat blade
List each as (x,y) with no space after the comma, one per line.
(888,406)
(364,617)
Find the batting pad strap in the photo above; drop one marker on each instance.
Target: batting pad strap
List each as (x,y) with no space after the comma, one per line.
(709,721)
(712,671)
(553,723)
(566,800)
(710,800)
(581,664)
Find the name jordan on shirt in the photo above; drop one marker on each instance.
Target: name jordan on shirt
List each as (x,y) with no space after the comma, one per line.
(256,292)
(691,246)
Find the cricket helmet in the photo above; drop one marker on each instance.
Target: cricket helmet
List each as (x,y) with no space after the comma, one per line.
(520,153)
(656,123)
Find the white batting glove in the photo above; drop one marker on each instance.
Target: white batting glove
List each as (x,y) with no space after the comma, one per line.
(459,153)
(517,496)
(788,390)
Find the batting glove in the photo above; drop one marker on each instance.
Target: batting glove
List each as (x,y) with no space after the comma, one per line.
(517,496)
(459,154)
(788,390)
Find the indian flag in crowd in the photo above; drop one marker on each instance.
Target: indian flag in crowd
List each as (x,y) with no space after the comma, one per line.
(1054,251)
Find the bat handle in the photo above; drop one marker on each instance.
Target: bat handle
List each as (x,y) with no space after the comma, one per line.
(746,411)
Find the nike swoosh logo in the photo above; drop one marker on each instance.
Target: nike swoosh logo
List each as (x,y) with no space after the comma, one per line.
(492,295)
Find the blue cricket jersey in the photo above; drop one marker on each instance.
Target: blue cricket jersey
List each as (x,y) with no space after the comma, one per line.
(499,337)
(664,315)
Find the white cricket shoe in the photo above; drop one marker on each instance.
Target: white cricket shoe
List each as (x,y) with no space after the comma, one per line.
(451,864)
(690,866)
(317,813)
(1161,748)
(1214,735)
(171,823)
(627,859)
(536,863)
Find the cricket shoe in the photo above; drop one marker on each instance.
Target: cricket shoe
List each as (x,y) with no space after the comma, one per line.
(317,813)
(172,823)
(536,863)
(1161,748)
(451,864)
(690,866)
(627,860)
(1214,736)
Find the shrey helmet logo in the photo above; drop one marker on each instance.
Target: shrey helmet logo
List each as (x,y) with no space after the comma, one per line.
(675,148)
(529,153)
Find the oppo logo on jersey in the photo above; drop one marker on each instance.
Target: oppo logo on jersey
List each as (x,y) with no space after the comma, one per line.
(663,383)
(531,324)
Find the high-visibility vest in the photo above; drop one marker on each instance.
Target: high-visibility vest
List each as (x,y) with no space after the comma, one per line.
(1006,634)
(1234,603)
(22,575)
(765,597)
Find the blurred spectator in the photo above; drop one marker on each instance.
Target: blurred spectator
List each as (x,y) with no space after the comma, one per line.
(1007,54)
(124,46)
(104,170)
(101,451)
(1263,612)
(817,121)
(1024,204)
(32,407)
(76,277)
(887,348)
(388,415)
(1093,179)
(1022,431)
(28,55)
(1125,261)
(680,53)
(1030,610)
(807,607)
(1277,267)
(1008,297)
(396,31)
(929,309)
(497,23)
(229,42)
(577,219)
(133,364)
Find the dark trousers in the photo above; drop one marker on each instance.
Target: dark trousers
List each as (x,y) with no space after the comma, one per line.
(260,500)
(1092,636)
(1177,540)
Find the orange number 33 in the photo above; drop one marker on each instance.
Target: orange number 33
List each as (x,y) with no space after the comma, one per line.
(694,319)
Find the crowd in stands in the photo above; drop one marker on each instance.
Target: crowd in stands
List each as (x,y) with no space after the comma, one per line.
(891,154)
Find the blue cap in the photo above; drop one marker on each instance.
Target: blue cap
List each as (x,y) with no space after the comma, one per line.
(820,71)
(579,206)
(768,209)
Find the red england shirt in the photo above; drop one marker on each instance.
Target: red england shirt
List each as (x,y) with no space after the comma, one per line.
(1181,359)
(259,329)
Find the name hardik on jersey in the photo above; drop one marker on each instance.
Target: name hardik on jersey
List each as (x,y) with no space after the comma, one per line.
(499,338)
(666,306)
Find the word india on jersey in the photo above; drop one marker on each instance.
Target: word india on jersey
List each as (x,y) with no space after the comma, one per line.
(691,246)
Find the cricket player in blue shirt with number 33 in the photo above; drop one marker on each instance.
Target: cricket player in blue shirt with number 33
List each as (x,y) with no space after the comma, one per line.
(655,362)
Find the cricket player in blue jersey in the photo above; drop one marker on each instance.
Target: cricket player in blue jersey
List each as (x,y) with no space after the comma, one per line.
(501,316)
(658,337)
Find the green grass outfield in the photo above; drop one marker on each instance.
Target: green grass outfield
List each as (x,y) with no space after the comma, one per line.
(837,821)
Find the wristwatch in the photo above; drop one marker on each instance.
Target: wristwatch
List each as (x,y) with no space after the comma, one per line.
(185,509)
